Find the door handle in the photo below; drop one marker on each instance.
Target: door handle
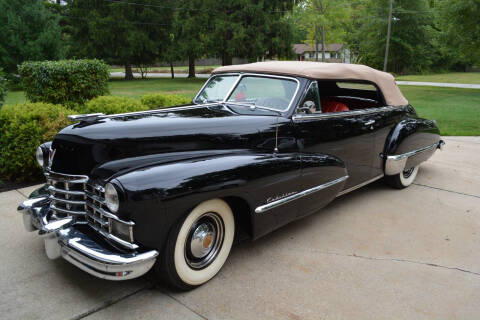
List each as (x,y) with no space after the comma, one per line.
(369,122)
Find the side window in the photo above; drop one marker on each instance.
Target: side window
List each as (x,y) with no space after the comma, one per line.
(344,95)
(311,102)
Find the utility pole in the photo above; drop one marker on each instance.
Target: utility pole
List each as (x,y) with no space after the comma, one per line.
(388,36)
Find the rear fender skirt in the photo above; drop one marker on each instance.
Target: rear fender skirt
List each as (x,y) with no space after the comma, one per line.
(411,142)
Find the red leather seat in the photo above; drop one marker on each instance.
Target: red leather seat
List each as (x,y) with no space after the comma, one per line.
(333,106)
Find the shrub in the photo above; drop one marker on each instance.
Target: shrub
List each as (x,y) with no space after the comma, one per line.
(157,100)
(111,105)
(23,127)
(3,87)
(65,81)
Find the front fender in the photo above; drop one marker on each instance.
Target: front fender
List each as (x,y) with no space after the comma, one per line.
(158,196)
(411,142)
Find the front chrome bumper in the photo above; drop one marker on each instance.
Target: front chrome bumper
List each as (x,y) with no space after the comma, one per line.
(62,239)
(398,163)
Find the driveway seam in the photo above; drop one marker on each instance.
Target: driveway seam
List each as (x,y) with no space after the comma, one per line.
(110,302)
(395,260)
(461,193)
(183,304)
(21,193)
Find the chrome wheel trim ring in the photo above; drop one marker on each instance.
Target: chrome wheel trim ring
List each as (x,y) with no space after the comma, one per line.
(204,240)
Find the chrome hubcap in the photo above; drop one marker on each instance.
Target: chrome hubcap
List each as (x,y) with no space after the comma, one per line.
(204,240)
(408,173)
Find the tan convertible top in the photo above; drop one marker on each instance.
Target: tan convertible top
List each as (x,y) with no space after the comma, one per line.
(326,71)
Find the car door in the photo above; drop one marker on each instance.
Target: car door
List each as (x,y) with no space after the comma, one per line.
(348,136)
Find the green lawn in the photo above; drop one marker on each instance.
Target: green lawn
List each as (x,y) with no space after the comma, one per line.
(452,77)
(456,110)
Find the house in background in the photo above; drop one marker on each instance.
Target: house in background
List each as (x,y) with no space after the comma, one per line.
(335,52)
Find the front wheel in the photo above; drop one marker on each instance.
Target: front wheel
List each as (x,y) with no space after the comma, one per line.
(198,245)
(403,179)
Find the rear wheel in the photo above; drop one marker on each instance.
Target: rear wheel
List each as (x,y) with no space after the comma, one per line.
(199,245)
(403,179)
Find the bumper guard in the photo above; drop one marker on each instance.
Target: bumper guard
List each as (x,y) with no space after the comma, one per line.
(62,239)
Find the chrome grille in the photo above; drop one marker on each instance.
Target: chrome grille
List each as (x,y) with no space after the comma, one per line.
(95,208)
(67,193)
(74,195)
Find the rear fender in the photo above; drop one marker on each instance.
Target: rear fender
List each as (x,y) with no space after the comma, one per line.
(411,142)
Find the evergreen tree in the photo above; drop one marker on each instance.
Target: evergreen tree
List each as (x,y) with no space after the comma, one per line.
(120,32)
(29,31)
(249,29)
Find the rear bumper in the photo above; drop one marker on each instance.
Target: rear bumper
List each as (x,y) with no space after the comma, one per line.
(62,239)
(398,163)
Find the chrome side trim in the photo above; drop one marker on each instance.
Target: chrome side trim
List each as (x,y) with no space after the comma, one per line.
(300,117)
(296,196)
(359,185)
(396,164)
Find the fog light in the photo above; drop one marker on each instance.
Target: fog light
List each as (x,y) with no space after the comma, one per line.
(39,156)
(121,230)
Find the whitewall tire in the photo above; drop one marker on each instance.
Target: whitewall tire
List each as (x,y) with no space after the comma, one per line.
(199,245)
(403,179)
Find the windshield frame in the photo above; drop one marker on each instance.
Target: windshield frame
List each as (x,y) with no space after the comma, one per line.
(240,76)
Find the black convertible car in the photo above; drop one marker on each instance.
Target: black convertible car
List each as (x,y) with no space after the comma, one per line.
(261,145)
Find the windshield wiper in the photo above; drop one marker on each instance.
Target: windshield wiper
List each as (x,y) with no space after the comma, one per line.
(252,106)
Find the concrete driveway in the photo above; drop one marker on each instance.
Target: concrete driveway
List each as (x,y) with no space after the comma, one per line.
(374,253)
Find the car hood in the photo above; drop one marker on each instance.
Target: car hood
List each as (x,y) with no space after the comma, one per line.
(122,142)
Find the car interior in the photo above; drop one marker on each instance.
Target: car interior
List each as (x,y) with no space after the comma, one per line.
(327,96)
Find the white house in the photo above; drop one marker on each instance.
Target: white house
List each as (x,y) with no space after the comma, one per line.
(335,52)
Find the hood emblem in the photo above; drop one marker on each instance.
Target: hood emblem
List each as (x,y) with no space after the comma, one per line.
(51,154)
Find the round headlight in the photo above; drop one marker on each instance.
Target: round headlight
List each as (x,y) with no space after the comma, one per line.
(39,156)
(111,197)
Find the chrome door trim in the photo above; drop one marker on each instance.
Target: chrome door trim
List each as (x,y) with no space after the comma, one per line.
(299,117)
(359,185)
(296,196)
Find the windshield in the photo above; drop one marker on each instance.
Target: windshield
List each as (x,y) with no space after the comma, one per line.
(261,91)
(273,93)
(216,88)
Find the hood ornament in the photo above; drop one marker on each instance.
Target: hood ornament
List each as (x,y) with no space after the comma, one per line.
(90,117)
(51,155)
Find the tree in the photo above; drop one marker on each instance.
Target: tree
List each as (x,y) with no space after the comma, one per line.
(412,35)
(249,29)
(29,32)
(193,19)
(459,21)
(324,19)
(120,32)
